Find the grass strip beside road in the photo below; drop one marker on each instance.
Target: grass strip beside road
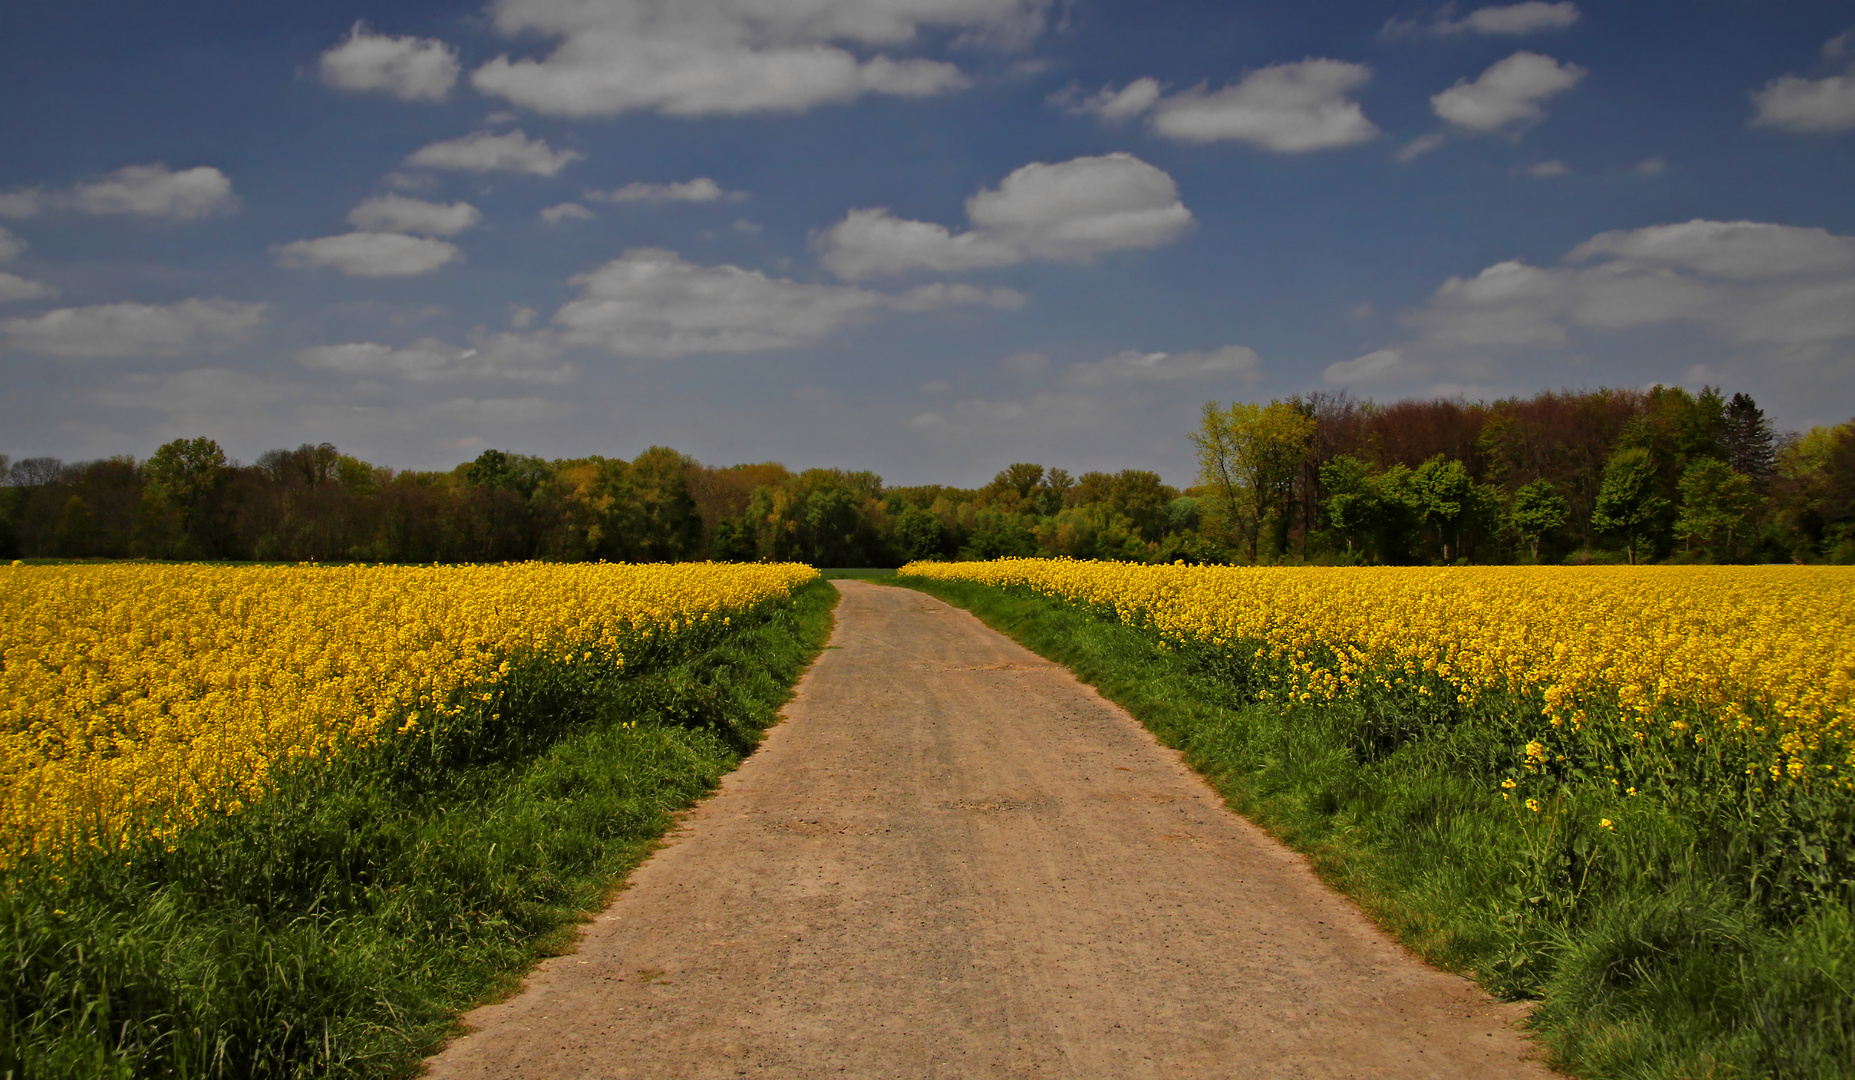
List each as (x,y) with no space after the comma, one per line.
(338,927)
(1651,967)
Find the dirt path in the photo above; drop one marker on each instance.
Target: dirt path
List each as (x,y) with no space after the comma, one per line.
(954,860)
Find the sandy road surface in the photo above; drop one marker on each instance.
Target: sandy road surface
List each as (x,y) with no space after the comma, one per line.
(954,860)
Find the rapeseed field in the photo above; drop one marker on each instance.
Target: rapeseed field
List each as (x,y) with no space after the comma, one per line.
(139,698)
(1678,657)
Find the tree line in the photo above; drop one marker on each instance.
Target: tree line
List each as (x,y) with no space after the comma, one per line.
(1604,475)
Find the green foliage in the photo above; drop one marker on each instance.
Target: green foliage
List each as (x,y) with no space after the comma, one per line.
(1716,499)
(1705,933)
(1249,457)
(1537,513)
(339,926)
(1629,503)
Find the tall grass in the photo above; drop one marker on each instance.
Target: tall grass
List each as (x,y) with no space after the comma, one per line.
(1689,939)
(339,926)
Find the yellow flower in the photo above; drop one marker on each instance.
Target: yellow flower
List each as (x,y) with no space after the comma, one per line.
(161,694)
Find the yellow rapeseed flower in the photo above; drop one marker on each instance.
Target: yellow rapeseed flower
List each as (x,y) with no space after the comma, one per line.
(135,693)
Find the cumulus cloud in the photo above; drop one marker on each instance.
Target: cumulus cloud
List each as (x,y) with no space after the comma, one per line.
(1774,292)
(368,254)
(1067,212)
(1509,20)
(1508,94)
(701,189)
(1420,146)
(411,69)
(1238,362)
(486,151)
(397,213)
(696,57)
(1808,106)
(567,211)
(152,190)
(156,191)
(114,331)
(14,288)
(1108,103)
(1289,108)
(23,203)
(502,356)
(654,303)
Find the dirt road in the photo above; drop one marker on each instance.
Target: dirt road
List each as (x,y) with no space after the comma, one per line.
(954,860)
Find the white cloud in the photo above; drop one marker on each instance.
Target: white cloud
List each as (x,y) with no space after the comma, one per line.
(566,211)
(485,151)
(113,331)
(1510,20)
(23,203)
(1108,103)
(1732,250)
(1774,293)
(1518,19)
(1650,166)
(944,294)
(1508,93)
(1420,146)
(1238,362)
(1067,212)
(504,356)
(695,57)
(397,213)
(1809,106)
(365,254)
(1554,167)
(1289,108)
(654,303)
(412,69)
(15,288)
(157,191)
(701,189)
(152,190)
(1381,366)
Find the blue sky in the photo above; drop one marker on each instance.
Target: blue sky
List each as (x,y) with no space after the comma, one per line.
(926,237)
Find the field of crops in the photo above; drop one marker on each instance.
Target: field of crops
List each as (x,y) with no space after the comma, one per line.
(1625,792)
(1686,658)
(140,698)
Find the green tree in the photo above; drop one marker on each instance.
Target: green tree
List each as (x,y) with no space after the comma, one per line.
(1249,456)
(919,533)
(182,477)
(1538,511)
(1715,499)
(1353,505)
(1442,492)
(1628,503)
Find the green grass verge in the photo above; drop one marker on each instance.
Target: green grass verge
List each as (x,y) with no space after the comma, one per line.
(1650,953)
(339,927)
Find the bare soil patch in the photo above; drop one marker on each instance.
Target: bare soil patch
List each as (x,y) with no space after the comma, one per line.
(954,860)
